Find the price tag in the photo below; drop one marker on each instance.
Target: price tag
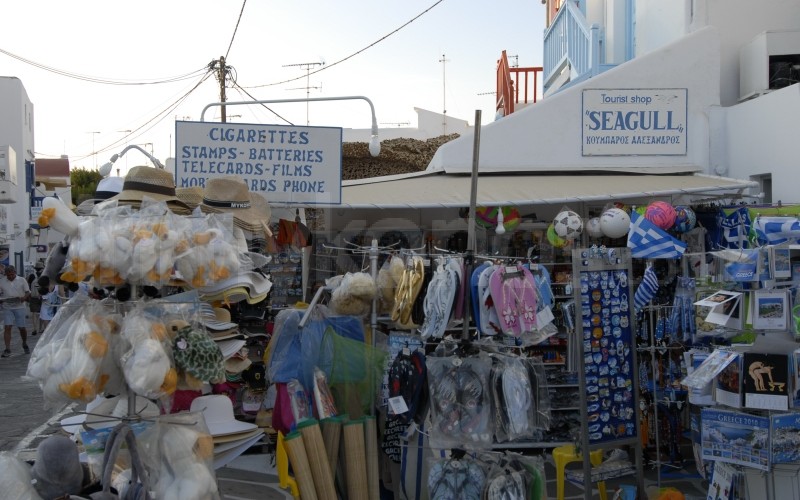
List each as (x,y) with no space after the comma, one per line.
(544,317)
(397,405)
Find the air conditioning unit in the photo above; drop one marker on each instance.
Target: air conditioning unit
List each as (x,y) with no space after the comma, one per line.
(769,62)
(8,192)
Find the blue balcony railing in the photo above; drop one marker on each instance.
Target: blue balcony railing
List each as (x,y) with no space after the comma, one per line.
(570,41)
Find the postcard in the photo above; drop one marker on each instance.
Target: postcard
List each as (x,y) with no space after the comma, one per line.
(770,310)
(725,309)
(717,298)
(719,488)
(781,262)
(785,442)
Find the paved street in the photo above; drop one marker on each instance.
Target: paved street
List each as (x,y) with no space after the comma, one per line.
(23,419)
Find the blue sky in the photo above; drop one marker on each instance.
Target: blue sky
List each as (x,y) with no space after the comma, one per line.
(152,40)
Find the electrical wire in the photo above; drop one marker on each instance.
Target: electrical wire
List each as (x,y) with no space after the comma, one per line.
(149,124)
(235,29)
(104,81)
(328,66)
(241,89)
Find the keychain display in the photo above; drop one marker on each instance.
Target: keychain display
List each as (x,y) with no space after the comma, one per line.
(608,343)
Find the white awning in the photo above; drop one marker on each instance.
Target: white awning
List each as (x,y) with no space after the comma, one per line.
(440,190)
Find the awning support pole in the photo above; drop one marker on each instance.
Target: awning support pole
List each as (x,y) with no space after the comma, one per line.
(469,258)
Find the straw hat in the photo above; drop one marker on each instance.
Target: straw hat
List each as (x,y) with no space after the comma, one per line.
(192,196)
(229,194)
(106,188)
(147,182)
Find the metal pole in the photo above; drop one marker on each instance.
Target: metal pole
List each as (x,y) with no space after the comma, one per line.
(473,199)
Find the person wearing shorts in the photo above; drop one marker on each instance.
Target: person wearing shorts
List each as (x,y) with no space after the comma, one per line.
(15,293)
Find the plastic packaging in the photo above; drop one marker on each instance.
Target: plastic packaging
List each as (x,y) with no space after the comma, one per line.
(299,400)
(323,399)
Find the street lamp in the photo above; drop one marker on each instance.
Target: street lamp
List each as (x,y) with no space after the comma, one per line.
(106,168)
(374,143)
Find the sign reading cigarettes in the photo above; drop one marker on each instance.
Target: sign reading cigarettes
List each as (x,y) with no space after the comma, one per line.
(634,122)
(286,164)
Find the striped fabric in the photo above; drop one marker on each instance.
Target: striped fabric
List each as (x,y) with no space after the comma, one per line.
(647,289)
(777,230)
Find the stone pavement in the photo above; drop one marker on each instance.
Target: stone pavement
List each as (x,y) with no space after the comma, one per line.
(25,422)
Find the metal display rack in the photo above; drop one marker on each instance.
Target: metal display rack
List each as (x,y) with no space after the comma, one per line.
(601,281)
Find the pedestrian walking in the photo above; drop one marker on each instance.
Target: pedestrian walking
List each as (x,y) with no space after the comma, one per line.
(15,294)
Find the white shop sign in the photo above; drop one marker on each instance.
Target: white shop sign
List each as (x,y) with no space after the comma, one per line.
(286,164)
(634,122)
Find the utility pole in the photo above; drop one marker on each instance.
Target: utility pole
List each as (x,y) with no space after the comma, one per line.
(308,87)
(222,71)
(444,62)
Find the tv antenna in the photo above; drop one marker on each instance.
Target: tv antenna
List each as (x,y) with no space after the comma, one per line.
(308,66)
(444,62)
(399,124)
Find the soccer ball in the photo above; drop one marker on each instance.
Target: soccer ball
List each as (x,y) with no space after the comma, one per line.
(568,224)
(615,223)
(685,219)
(661,214)
(593,228)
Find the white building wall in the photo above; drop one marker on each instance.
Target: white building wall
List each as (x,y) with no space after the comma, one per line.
(761,137)
(16,130)
(547,136)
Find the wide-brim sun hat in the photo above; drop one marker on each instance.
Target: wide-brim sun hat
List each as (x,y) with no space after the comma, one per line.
(143,182)
(106,188)
(217,411)
(111,411)
(230,194)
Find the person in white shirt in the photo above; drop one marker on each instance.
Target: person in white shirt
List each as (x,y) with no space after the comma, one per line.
(15,292)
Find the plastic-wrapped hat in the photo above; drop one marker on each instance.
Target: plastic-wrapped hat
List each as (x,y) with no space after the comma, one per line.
(106,188)
(230,194)
(198,355)
(154,183)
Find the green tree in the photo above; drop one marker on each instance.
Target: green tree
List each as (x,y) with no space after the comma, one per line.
(84,183)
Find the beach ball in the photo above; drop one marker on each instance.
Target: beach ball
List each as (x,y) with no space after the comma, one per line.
(660,213)
(593,228)
(487,217)
(568,224)
(615,223)
(555,239)
(685,219)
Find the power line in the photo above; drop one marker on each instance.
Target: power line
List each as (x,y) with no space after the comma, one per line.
(354,53)
(242,89)
(105,81)
(235,29)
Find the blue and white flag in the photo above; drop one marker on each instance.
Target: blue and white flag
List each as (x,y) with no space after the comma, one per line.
(734,228)
(777,230)
(648,241)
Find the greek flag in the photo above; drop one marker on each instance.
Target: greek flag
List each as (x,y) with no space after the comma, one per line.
(777,230)
(648,241)
(734,228)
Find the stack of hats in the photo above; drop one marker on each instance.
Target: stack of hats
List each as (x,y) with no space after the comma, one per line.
(231,437)
(230,194)
(106,188)
(142,183)
(192,196)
